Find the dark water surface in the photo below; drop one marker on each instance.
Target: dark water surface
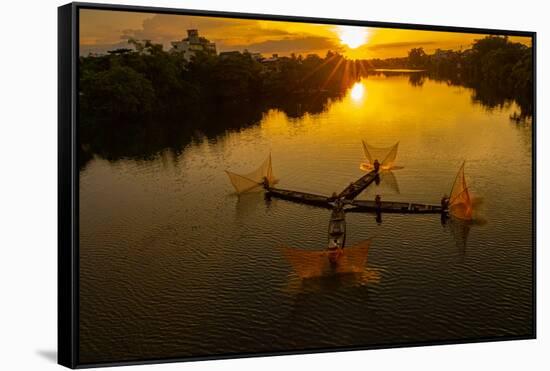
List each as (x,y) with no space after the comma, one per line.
(173,264)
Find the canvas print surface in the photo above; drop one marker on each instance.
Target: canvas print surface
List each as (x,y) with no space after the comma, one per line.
(251,186)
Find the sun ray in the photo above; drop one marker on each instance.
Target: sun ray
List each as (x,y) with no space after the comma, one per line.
(333,72)
(316,69)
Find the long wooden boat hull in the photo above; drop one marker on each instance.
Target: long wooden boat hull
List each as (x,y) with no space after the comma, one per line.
(300,197)
(355,188)
(337,229)
(359,206)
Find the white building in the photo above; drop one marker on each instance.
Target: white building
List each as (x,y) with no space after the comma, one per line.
(194,43)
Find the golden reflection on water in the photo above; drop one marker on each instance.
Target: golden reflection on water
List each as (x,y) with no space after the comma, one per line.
(176,228)
(436,124)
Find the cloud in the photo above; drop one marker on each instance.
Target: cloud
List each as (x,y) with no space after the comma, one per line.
(292,45)
(228,34)
(400,45)
(104,27)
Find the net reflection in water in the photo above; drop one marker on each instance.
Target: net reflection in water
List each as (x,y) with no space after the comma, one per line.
(309,264)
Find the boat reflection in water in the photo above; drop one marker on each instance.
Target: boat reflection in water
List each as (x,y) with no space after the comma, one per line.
(460,231)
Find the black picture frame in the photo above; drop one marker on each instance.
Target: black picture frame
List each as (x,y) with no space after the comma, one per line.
(68,176)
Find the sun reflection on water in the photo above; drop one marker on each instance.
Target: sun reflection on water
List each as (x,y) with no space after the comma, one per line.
(358,92)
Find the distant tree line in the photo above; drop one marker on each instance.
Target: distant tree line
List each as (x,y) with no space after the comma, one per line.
(148,82)
(497,69)
(136,101)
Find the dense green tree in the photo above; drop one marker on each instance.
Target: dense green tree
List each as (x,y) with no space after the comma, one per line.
(417,58)
(119,93)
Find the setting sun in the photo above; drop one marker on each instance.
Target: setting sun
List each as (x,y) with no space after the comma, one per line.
(352,36)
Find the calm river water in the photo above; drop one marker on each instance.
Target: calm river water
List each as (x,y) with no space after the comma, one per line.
(173,264)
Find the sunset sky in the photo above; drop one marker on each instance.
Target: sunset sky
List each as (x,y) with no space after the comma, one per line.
(102,30)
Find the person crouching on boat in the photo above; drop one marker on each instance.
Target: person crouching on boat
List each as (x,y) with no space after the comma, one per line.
(445,204)
(378,203)
(376,165)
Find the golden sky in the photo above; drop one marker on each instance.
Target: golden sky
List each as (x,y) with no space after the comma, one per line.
(102,30)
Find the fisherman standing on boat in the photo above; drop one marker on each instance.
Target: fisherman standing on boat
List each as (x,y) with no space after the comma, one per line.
(376,165)
(265,182)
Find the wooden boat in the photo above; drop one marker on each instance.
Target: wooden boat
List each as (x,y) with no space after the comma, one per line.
(300,197)
(355,188)
(336,233)
(393,207)
(337,228)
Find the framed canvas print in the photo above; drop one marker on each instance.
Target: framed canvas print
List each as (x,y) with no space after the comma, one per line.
(233,185)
